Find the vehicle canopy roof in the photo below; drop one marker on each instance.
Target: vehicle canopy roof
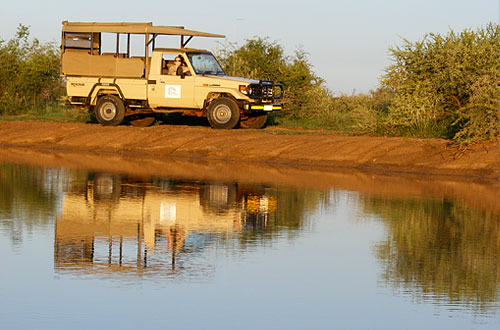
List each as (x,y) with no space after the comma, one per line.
(181,50)
(134,28)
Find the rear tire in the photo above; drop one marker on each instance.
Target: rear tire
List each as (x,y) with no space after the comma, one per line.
(223,113)
(110,110)
(255,122)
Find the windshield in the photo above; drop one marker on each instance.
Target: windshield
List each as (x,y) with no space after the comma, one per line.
(205,63)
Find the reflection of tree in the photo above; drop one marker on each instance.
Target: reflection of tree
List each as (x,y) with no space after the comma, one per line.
(27,196)
(23,185)
(445,250)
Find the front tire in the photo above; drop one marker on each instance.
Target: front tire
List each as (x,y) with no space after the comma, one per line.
(223,113)
(110,110)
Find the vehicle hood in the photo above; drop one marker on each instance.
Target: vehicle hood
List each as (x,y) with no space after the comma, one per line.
(232,79)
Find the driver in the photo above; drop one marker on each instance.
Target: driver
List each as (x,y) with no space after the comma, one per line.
(179,67)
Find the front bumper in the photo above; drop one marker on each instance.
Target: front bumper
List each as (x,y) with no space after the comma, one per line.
(263,107)
(263,95)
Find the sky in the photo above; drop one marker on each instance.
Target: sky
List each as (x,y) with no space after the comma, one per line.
(347,41)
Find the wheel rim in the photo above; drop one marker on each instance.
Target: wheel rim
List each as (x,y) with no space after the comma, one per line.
(108,111)
(222,114)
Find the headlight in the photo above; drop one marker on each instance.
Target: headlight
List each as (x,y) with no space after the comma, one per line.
(243,89)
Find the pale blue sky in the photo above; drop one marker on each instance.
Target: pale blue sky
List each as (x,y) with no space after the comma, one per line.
(347,41)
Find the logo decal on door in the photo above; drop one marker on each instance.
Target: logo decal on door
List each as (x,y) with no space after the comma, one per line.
(173,91)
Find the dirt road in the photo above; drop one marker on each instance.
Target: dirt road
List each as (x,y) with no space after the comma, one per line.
(271,146)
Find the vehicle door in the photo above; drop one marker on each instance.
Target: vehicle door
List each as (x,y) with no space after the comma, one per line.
(172,91)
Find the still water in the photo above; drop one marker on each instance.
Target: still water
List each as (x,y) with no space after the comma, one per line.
(82,249)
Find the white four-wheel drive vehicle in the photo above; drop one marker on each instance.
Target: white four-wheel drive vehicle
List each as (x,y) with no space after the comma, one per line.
(118,85)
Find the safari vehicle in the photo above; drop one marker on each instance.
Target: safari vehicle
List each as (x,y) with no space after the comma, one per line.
(117,86)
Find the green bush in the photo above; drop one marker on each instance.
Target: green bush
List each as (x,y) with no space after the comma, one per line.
(442,86)
(261,59)
(29,75)
(446,86)
(308,103)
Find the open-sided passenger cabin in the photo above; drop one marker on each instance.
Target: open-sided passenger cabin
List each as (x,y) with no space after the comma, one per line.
(82,52)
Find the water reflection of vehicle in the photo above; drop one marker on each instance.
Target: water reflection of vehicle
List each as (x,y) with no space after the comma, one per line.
(129,224)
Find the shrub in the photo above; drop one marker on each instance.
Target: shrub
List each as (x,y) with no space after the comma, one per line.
(307,101)
(446,86)
(29,74)
(261,59)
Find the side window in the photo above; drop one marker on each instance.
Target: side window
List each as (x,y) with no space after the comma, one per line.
(77,40)
(167,62)
(82,42)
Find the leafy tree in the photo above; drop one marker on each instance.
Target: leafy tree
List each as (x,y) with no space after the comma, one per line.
(261,59)
(29,74)
(447,85)
(307,100)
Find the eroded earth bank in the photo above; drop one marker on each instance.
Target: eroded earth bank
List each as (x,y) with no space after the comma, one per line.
(269,146)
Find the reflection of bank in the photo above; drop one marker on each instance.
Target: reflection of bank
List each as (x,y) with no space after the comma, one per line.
(113,223)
